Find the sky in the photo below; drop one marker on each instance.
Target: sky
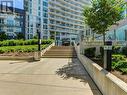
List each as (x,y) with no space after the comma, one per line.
(18,3)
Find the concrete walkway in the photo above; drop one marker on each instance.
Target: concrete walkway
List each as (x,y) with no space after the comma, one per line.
(47,77)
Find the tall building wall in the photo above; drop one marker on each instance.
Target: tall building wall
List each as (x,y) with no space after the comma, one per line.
(11,19)
(59,19)
(56,19)
(45,34)
(65,18)
(33,17)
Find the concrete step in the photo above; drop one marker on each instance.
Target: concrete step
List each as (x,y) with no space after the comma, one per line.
(62,47)
(59,56)
(60,52)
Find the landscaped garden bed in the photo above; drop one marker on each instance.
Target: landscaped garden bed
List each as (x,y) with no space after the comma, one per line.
(21,47)
(119,60)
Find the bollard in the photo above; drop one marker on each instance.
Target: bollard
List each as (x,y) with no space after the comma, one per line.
(108,55)
(37,56)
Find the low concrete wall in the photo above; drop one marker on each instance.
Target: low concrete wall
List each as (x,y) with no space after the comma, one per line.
(43,51)
(30,58)
(16,58)
(106,82)
(38,55)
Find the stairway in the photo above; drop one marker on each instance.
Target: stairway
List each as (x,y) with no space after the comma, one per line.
(60,52)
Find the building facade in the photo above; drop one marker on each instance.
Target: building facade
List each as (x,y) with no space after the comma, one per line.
(66,19)
(34,17)
(118,32)
(12,19)
(55,19)
(59,19)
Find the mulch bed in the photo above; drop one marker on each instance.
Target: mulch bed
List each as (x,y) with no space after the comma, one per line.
(18,54)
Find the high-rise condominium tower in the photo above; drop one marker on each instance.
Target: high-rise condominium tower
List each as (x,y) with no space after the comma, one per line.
(59,19)
(56,19)
(65,18)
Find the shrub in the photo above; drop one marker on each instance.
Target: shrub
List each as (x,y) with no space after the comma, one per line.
(124,70)
(90,52)
(119,63)
(124,51)
(120,66)
(116,50)
(23,42)
(118,57)
(102,51)
(28,48)
(3,36)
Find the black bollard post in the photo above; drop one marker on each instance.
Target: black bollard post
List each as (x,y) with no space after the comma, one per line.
(108,55)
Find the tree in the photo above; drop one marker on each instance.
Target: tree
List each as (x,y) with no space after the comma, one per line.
(102,14)
(36,36)
(20,36)
(3,36)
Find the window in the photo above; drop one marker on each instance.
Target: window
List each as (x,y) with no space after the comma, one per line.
(45,9)
(45,27)
(39,8)
(45,15)
(39,1)
(45,21)
(45,4)
(52,21)
(2,21)
(39,13)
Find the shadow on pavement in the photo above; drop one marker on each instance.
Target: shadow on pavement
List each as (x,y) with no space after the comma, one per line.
(75,70)
(72,70)
(22,61)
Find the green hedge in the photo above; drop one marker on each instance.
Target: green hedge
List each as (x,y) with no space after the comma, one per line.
(27,48)
(118,57)
(23,42)
(119,63)
(124,51)
(90,52)
(102,52)
(116,49)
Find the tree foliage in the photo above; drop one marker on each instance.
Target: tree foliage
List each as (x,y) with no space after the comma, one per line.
(20,36)
(3,36)
(103,13)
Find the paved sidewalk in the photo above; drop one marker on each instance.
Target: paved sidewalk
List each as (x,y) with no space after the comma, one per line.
(47,77)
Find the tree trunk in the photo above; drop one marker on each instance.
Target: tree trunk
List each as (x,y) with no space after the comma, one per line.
(114,34)
(93,37)
(104,38)
(103,47)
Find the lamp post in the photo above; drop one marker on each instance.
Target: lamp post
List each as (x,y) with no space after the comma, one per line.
(39,37)
(39,41)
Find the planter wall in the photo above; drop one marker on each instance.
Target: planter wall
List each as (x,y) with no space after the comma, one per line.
(106,82)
